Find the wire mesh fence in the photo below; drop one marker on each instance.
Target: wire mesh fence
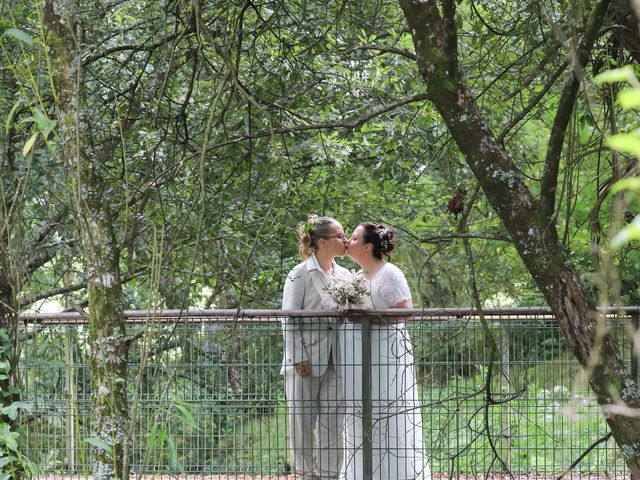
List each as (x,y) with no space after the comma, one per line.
(207,396)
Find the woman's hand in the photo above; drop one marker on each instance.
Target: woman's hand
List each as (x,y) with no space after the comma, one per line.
(302,368)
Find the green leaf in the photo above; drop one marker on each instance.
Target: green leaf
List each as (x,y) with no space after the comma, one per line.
(625,142)
(26,120)
(152,437)
(173,454)
(20,35)
(631,183)
(45,124)
(101,444)
(9,438)
(11,411)
(187,417)
(31,466)
(29,145)
(23,406)
(622,74)
(12,112)
(627,234)
(161,436)
(4,461)
(629,98)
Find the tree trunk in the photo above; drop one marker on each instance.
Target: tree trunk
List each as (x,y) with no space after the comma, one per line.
(533,233)
(9,391)
(107,328)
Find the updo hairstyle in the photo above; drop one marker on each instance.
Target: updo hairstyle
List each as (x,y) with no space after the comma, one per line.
(380,237)
(310,233)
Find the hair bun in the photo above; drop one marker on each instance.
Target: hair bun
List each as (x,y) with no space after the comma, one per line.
(387,242)
(380,237)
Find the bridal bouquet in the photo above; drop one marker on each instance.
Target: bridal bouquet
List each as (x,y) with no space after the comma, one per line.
(347,289)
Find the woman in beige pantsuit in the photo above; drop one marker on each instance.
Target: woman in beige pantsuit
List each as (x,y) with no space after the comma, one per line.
(313,385)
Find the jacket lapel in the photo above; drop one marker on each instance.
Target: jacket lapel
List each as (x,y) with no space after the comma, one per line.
(317,277)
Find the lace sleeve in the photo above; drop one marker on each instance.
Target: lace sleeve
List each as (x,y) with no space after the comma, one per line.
(394,287)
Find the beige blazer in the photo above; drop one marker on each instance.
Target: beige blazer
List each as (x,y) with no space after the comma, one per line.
(309,338)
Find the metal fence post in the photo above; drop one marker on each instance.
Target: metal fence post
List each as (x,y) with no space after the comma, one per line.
(635,321)
(506,420)
(367,421)
(70,393)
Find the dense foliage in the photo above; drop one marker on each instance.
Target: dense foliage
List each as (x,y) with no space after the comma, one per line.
(212,128)
(226,126)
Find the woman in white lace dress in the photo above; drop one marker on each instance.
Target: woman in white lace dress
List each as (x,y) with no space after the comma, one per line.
(397,439)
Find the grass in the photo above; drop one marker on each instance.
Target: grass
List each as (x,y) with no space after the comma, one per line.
(541,431)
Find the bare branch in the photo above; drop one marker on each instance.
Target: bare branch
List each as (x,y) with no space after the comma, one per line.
(584,454)
(134,47)
(549,181)
(348,125)
(551,53)
(72,288)
(443,237)
(385,49)
(533,102)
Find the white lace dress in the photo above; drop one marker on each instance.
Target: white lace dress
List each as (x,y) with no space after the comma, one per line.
(398,452)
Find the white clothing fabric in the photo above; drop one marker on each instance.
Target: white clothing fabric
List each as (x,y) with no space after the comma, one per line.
(315,402)
(397,436)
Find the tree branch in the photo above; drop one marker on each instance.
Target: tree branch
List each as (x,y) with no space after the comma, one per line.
(549,181)
(550,54)
(584,454)
(532,103)
(490,163)
(443,237)
(385,49)
(347,125)
(135,47)
(26,301)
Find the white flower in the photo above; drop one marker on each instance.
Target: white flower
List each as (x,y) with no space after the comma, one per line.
(347,288)
(561,389)
(544,394)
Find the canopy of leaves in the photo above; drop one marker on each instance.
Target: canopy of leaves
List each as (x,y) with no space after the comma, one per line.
(218,126)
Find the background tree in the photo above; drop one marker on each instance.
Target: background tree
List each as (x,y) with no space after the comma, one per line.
(530,221)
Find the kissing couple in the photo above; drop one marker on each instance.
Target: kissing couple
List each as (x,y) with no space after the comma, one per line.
(322,362)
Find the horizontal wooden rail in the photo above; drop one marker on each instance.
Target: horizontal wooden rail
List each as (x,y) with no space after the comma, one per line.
(273,315)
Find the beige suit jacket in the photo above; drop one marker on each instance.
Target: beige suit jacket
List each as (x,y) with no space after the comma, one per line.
(312,339)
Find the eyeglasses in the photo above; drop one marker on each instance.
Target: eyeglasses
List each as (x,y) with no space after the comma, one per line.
(341,236)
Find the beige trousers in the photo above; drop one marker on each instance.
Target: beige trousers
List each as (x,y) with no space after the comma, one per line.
(316,405)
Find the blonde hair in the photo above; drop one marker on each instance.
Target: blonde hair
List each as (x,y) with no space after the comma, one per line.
(310,233)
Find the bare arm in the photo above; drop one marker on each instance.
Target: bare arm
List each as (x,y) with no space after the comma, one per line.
(403,304)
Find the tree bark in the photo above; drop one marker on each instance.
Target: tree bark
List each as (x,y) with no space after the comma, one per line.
(107,327)
(525,218)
